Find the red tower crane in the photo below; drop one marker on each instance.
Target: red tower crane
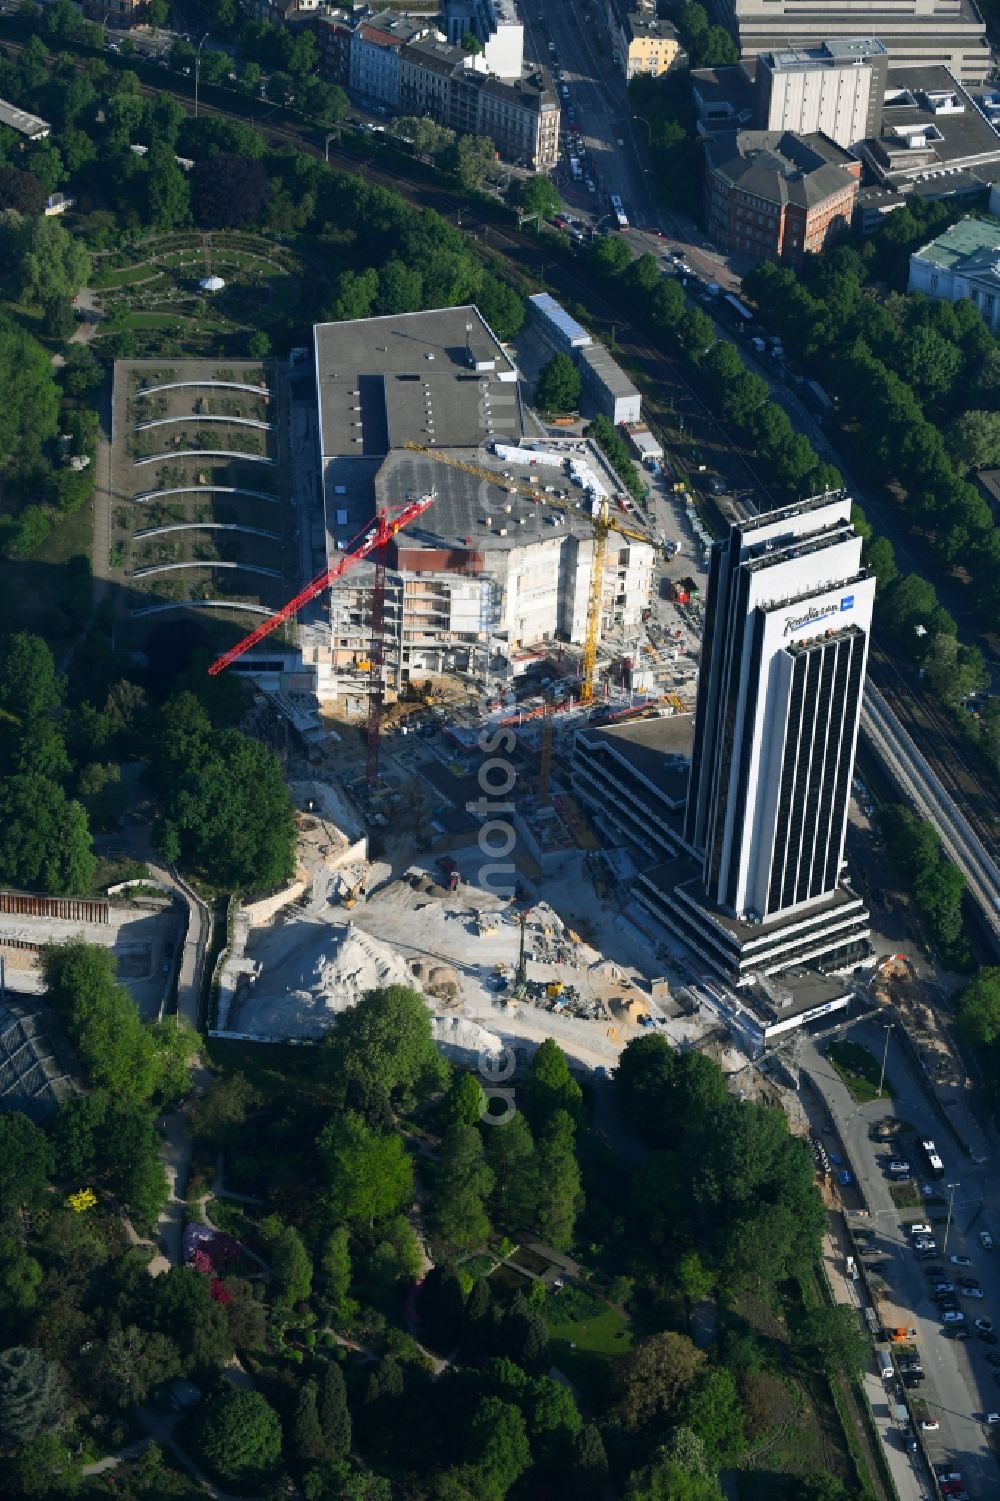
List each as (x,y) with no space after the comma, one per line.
(374,539)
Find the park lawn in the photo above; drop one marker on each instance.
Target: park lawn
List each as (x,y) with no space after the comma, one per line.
(860,1071)
(126,276)
(586,1350)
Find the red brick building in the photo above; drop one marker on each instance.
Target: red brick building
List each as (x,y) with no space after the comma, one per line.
(777,196)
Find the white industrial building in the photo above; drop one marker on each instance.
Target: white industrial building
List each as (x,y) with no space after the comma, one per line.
(836,87)
(487,572)
(604,380)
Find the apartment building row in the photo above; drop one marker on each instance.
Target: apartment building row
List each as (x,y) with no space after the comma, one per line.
(404,65)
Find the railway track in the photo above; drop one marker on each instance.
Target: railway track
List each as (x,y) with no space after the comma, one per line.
(941,744)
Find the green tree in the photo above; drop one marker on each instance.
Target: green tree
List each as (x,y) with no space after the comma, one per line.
(32,1396)
(168,195)
(44,1467)
(229,191)
(291,1266)
(386,1040)
(44,837)
(51,263)
(29,415)
(837,1338)
(464,1104)
(461,1182)
(609,255)
(510,1152)
(559,385)
(335,1268)
(880,559)
(308,1443)
(590,1464)
(217,1115)
(471,159)
(695,1280)
(258,345)
(224,798)
(653,1376)
(550,1086)
(974,439)
(179,1304)
(666,1481)
(713,1412)
(29,683)
(538,195)
(554,1423)
(369,1175)
(560,1196)
(334,1417)
(117,1050)
(238,1435)
(979,1009)
(125,1366)
(497,1443)
(686,1449)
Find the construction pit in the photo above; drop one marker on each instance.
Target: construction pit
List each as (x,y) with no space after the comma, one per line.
(588,969)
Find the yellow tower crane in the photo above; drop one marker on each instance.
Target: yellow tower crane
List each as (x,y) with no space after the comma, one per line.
(603,522)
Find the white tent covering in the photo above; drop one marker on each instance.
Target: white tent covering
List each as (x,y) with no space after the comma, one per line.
(211,284)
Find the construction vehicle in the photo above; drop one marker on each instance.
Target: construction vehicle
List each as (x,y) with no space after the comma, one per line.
(371,543)
(604,521)
(349,895)
(554,989)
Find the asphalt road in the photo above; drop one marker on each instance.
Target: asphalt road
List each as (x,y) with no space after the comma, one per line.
(961,1384)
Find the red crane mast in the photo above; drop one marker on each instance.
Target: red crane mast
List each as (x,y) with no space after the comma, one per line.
(373,540)
(377,535)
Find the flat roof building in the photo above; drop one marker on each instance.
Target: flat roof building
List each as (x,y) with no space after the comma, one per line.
(486,571)
(31,126)
(914,32)
(608,385)
(835,88)
(963,264)
(932,139)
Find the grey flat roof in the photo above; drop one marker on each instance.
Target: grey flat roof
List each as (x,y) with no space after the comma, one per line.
(457,520)
(20,120)
(385,380)
(966,136)
(658,749)
(608,370)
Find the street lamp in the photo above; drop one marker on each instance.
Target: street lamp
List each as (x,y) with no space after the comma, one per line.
(326,148)
(649,130)
(885,1054)
(197,71)
(951,1206)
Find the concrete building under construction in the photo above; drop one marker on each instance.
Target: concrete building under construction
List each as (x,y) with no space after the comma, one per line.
(489,570)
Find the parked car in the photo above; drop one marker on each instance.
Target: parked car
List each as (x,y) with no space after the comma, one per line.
(986,1324)
(970,1292)
(921,1229)
(960,1260)
(986,1240)
(944,1287)
(930,1425)
(953,1316)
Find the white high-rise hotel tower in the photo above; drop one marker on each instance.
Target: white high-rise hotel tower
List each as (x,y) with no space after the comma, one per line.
(787,623)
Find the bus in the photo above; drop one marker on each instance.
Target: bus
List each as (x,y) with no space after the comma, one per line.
(575,168)
(739,308)
(934,1164)
(619,211)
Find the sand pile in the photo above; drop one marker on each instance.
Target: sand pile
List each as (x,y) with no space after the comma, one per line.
(464,1041)
(357,964)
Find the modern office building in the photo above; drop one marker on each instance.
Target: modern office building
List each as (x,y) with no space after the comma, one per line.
(932,141)
(915,32)
(836,88)
(761,888)
(963,264)
(487,573)
(777,196)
